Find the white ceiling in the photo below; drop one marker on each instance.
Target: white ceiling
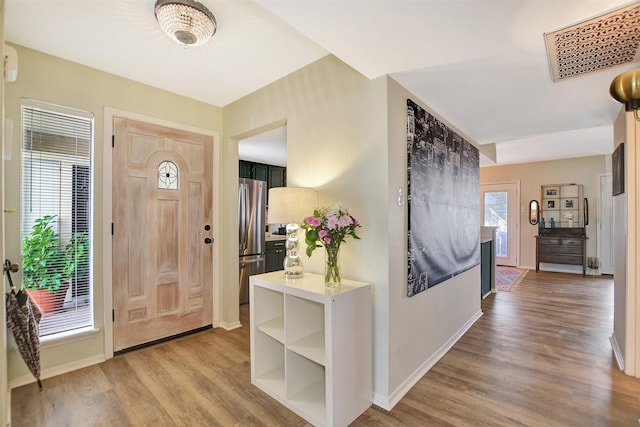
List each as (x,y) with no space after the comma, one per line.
(268,147)
(481,65)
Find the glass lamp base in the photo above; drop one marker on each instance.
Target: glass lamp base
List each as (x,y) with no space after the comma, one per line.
(292,262)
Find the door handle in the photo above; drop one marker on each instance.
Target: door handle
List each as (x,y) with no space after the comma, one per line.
(207,240)
(10,267)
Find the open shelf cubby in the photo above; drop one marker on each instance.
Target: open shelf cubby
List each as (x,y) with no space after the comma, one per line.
(306,335)
(299,329)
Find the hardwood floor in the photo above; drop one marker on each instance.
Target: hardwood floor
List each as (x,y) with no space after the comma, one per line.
(540,356)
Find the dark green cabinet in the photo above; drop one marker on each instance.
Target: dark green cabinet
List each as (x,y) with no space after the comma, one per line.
(260,172)
(245,169)
(277,177)
(274,176)
(274,255)
(485,268)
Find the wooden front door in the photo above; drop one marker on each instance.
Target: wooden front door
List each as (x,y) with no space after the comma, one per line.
(162,235)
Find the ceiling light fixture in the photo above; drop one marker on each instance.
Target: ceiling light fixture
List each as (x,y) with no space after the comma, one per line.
(625,89)
(186,21)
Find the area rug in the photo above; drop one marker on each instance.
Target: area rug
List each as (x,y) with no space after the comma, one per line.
(507,278)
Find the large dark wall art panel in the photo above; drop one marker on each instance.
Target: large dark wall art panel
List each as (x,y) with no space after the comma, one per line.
(443,201)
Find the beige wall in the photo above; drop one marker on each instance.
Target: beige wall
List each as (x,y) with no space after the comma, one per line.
(50,79)
(421,328)
(337,144)
(626,322)
(346,138)
(619,339)
(583,170)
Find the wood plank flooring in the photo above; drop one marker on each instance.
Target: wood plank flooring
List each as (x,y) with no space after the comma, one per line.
(540,356)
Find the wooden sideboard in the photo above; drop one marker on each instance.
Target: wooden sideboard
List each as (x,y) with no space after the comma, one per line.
(562,246)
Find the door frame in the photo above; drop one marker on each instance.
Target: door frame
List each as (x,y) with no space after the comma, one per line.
(5,395)
(600,226)
(107,204)
(515,215)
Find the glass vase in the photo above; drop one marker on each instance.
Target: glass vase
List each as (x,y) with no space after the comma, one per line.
(332,267)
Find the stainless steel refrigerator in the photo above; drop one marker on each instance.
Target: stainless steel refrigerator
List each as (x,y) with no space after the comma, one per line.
(252,202)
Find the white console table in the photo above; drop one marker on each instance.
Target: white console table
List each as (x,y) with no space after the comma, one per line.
(311,345)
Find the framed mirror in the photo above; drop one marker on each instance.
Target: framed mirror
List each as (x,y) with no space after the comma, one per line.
(534,212)
(586,212)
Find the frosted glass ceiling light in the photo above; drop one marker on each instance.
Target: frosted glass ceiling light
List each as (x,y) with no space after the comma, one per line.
(186,21)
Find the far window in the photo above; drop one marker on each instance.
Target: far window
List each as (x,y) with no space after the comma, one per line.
(56,233)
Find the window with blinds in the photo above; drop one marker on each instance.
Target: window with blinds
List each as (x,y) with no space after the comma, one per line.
(57,146)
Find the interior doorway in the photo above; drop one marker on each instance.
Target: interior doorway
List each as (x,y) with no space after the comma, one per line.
(499,208)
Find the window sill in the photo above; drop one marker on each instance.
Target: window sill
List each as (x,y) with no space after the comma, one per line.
(68,337)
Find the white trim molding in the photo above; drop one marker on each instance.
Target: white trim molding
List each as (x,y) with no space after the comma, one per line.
(387,403)
(57,370)
(617,353)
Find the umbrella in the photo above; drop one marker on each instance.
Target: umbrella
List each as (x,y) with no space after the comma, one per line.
(23,319)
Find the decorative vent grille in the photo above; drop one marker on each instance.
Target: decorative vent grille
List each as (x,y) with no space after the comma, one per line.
(606,41)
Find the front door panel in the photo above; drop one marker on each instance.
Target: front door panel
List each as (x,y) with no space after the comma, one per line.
(162,201)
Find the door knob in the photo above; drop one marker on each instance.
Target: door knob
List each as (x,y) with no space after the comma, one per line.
(9,266)
(208,240)
(207,227)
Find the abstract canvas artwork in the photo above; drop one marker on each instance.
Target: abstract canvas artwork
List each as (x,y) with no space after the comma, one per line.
(443,171)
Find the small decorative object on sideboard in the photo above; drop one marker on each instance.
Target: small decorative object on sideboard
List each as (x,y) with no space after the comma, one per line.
(329,228)
(569,217)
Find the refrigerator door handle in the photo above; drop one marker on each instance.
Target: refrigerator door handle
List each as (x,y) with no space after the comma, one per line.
(253,261)
(242,212)
(247,216)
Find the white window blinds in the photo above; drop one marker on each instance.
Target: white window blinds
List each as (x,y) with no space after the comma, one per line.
(57,175)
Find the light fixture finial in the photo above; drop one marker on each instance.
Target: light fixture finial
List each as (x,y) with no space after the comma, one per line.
(625,89)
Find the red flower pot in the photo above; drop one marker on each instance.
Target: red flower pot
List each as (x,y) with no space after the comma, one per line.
(49,302)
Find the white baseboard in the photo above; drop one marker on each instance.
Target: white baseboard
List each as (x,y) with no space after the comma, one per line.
(617,353)
(388,402)
(230,326)
(57,370)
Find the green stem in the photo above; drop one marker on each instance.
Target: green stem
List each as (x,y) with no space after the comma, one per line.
(332,272)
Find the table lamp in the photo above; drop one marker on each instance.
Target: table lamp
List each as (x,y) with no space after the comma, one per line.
(291,205)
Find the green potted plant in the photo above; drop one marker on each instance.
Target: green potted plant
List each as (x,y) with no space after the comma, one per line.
(46,267)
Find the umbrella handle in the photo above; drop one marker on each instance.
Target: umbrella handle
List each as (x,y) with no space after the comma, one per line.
(9,267)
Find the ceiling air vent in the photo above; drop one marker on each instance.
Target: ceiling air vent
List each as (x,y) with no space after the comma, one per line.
(607,41)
